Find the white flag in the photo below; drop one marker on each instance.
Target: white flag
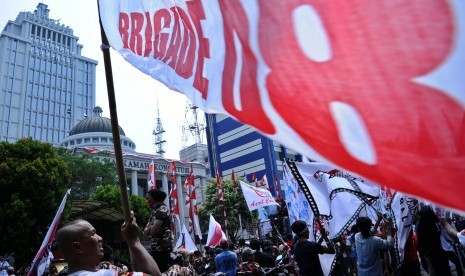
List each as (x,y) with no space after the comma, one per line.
(215,233)
(256,197)
(185,241)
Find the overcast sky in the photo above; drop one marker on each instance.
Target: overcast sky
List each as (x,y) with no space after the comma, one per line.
(136,93)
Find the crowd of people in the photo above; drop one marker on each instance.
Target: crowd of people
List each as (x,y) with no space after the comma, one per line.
(433,244)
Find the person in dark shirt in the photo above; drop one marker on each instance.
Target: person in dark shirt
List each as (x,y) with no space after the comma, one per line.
(264,259)
(306,252)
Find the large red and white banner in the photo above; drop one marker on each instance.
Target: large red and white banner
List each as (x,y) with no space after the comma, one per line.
(373,87)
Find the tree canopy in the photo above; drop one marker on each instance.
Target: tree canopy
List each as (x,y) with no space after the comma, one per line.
(33,181)
(88,172)
(234,203)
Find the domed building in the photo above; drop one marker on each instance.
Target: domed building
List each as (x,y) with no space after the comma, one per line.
(95,131)
(93,135)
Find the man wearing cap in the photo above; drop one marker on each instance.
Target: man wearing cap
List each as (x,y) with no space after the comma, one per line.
(306,252)
(226,261)
(159,229)
(249,266)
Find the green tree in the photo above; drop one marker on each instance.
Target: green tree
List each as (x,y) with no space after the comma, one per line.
(111,195)
(233,201)
(33,181)
(88,172)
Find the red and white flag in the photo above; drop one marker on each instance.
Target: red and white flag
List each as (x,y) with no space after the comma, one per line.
(215,233)
(233,178)
(219,183)
(254,179)
(277,189)
(191,204)
(44,255)
(151,183)
(256,197)
(414,123)
(264,182)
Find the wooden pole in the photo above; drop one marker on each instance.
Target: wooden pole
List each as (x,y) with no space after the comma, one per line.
(115,127)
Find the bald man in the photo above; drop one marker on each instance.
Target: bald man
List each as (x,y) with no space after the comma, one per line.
(82,248)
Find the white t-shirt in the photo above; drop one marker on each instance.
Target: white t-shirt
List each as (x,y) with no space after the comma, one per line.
(103,272)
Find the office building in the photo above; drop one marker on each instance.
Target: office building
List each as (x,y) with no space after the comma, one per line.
(233,145)
(46,85)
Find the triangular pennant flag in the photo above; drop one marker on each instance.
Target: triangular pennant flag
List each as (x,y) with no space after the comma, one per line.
(185,241)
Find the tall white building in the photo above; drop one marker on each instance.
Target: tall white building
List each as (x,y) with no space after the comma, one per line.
(46,85)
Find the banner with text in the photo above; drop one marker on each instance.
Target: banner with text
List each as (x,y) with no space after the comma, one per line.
(256,197)
(366,87)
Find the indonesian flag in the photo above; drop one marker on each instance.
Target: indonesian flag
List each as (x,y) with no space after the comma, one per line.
(44,255)
(256,197)
(276,188)
(191,204)
(264,182)
(185,241)
(233,178)
(220,185)
(151,183)
(254,179)
(172,171)
(414,123)
(215,234)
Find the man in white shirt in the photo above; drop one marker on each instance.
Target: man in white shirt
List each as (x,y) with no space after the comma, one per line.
(82,248)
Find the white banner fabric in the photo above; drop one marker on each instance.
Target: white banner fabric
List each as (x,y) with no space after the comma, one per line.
(256,197)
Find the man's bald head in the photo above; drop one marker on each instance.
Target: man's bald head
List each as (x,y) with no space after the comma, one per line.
(69,233)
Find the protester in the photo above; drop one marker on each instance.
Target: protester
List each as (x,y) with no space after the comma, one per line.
(350,247)
(411,264)
(159,229)
(11,271)
(226,261)
(429,242)
(249,266)
(306,252)
(82,248)
(3,266)
(198,262)
(262,258)
(457,236)
(368,247)
(107,261)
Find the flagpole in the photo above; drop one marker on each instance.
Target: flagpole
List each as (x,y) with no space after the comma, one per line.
(115,127)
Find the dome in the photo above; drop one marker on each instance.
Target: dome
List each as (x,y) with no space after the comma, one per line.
(97,123)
